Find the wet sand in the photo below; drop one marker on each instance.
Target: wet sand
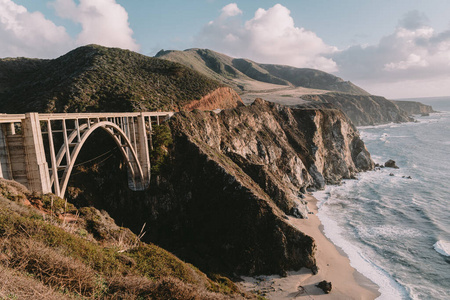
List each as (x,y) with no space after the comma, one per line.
(334,266)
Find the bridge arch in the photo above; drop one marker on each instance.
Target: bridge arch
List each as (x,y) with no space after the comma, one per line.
(122,141)
(30,156)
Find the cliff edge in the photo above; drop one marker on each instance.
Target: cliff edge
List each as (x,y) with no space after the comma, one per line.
(231,177)
(362,109)
(414,107)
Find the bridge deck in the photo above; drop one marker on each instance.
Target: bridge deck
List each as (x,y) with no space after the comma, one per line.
(14,118)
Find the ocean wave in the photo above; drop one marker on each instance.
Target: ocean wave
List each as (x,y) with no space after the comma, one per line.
(389,287)
(387,231)
(442,247)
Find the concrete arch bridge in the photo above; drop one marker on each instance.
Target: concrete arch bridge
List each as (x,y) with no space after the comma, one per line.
(40,150)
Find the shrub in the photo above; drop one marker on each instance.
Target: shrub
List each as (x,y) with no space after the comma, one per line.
(161,140)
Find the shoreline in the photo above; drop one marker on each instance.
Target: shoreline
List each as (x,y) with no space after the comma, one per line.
(334,266)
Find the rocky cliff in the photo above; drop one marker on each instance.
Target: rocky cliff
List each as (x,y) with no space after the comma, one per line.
(363,110)
(237,173)
(230,178)
(413,107)
(221,98)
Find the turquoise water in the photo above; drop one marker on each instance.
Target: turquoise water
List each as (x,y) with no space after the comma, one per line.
(396,230)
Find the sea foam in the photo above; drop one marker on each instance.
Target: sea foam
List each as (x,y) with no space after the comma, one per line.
(389,287)
(442,247)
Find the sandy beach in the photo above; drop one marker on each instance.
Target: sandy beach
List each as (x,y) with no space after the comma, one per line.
(334,266)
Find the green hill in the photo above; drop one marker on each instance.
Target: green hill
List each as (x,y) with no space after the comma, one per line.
(315,79)
(96,78)
(245,75)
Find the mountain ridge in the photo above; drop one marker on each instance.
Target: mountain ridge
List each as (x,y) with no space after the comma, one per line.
(97,78)
(242,71)
(300,87)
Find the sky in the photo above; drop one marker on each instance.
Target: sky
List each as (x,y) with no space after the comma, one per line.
(392,48)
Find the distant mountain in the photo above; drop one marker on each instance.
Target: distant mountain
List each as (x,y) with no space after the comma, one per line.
(245,75)
(96,78)
(363,109)
(292,86)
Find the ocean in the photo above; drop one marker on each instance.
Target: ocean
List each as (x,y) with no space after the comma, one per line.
(396,230)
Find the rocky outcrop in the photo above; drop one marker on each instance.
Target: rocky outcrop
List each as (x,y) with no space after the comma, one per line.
(233,176)
(391,164)
(221,199)
(221,98)
(325,286)
(363,110)
(413,107)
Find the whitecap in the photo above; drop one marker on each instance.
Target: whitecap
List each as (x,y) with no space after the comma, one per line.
(387,232)
(388,286)
(442,247)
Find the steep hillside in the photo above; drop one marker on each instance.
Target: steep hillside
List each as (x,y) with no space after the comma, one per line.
(51,250)
(245,75)
(314,79)
(221,195)
(95,78)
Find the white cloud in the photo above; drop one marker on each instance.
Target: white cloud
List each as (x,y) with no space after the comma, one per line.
(413,52)
(31,34)
(103,22)
(269,37)
(412,61)
(24,33)
(230,10)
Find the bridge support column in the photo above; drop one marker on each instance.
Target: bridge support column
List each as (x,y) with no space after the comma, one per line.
(142,150)
(36,164)
(5,163)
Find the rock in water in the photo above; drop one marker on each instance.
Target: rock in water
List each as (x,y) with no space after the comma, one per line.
(391,164)
(325,286)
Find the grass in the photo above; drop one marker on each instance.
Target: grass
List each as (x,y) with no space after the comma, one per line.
(63,263)
(161,141)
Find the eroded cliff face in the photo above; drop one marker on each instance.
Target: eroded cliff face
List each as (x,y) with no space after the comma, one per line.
(364,110)
(221,98)
(282,149)
(234,175)
(231,178)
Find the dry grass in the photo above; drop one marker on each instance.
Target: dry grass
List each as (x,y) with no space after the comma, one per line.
(17,285)
(51,266)
(43,257)
(134,287)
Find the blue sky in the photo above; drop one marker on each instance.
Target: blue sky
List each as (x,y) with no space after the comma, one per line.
(392,48)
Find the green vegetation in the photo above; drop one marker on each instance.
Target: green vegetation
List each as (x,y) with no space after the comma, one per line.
(238,72)
(95,78)
(47,256)
(161,139)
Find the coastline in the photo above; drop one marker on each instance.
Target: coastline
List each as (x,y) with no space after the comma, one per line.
(334,266)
